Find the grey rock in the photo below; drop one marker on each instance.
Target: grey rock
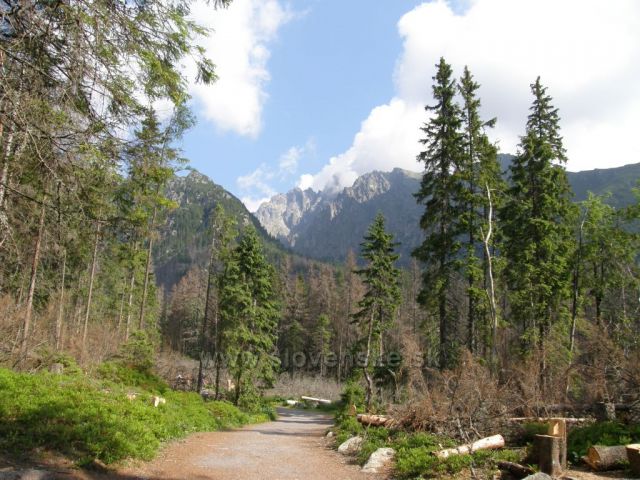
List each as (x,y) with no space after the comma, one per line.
(538,476)
(379,460)
(351,446)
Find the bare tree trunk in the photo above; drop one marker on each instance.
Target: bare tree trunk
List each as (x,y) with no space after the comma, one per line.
(492,292)
(128,324)
(90,294)
(147,269)
(121,312)
(207,307)
(32,284)
(61,301)
(365,366)
(574,305)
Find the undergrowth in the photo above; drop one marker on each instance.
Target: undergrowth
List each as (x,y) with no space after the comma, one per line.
(603,433)
(414,450)
(86,418)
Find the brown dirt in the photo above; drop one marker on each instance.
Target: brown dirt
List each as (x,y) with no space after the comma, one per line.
(293,447)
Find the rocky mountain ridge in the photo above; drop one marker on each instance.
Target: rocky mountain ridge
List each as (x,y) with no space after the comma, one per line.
(326,227)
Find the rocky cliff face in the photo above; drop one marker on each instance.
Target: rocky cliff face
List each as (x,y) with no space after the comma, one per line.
(284,212)
(326,227)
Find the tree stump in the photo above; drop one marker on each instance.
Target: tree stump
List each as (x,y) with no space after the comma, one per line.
(558,428)
(548,448)
(633,454)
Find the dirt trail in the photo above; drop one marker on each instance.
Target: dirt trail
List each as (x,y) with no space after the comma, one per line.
(293,447)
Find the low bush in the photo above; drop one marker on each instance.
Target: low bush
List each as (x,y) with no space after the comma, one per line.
(85,419)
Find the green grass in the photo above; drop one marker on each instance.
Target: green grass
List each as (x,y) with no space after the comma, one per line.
(84,418)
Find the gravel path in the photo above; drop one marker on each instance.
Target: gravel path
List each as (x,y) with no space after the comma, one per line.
(293,447)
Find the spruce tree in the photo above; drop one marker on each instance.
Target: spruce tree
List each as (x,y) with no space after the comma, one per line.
(249,313)
(382,296)
(536,224)
(441,191)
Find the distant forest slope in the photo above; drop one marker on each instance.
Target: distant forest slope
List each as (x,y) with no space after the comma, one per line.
(185,237)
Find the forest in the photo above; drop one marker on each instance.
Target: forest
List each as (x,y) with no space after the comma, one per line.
(519,302)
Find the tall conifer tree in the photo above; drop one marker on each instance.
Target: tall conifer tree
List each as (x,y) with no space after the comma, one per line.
(249,313)
(382,296)
(536,223)
(441,193)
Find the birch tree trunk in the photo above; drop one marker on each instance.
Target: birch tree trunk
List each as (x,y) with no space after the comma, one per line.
(32,284)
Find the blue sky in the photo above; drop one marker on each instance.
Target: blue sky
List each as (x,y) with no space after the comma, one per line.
(316,92)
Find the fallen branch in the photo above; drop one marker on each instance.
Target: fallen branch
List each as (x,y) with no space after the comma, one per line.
(496,441)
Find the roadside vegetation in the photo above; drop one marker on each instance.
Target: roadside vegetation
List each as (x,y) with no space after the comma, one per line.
(107,415)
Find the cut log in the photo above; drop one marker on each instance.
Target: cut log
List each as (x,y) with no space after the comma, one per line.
(515,469)
(633,455)
(319,400)
(374,420)
(548,448)
(606,458)
(496,441)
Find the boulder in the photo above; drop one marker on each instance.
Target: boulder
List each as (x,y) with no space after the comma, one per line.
(351,446)
(330,434)
(538,476)
(379,460)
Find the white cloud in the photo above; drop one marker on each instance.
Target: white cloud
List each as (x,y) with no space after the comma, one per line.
(587,53)
(253,203)
(257,184)
(387,138)
(239,46)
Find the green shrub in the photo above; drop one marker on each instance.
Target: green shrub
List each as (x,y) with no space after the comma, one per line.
(605,433)
(530,430)
(138,352)
(353,394)
(121,374)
